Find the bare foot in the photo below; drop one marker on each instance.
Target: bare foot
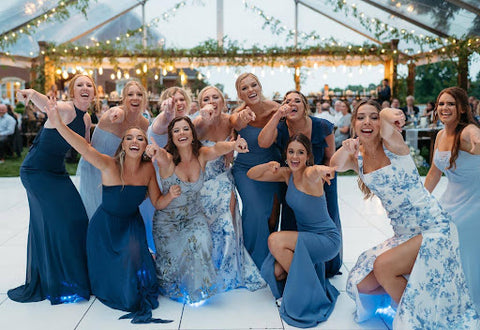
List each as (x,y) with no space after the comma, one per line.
(279,272)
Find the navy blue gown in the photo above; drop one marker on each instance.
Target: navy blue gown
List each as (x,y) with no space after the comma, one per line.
(121,268)
(56,257)
(257,197)
(321,128)
(308,296)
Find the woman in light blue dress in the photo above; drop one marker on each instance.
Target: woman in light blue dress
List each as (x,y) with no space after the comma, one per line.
(295,110)
(425,243)
(234,265)
(295,267)
(457,154)
(185,268)
(106,139)
(260,200)
(120,267)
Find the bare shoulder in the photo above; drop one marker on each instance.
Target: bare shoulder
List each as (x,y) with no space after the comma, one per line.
(143,123)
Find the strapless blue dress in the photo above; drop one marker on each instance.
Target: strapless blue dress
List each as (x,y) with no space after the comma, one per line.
(121,269)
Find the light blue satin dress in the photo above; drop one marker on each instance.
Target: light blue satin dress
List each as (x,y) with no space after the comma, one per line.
(90,177)
(461,200)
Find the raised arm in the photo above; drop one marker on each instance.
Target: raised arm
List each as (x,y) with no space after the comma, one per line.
(241,117)
(270,172)
(391,123)
(269,133)
(471,138)
(344,159)
(434,173)
(166,167)
(221,148)
(97,159)
(160,124)
(320,173)
(159,200)
(39,100)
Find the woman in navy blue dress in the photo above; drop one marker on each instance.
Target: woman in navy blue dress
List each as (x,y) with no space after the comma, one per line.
(295,111)
(260,200)
(121,269)
(295,267)
(56,256)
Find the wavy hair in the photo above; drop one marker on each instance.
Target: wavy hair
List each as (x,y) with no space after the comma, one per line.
(119,155)
(464,118)
(172,148)
(367,193)
(127,86)
(307,144)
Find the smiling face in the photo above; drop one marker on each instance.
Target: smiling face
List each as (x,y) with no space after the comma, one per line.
(366,122)
(134,143)
(297,156)
(181,105)
(82,89)
(182,134)
(249,90)
(211,95)
(447,109)
(298,104)
(134,98)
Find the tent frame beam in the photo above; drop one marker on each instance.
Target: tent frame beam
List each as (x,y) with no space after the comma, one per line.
(406,18)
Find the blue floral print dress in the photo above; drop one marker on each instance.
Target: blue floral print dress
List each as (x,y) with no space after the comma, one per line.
(436,296)
(234,265)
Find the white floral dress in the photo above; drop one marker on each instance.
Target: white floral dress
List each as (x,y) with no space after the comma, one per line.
(436,296)
(234,265)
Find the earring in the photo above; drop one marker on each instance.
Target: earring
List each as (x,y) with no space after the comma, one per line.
(286,163)
(122,154)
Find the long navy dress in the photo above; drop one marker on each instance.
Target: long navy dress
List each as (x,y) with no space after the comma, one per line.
(257,197)
(56,257)
(308,296)
(121,268)
(321,128)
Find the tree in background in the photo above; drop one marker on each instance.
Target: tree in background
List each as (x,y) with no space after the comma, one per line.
(432,78)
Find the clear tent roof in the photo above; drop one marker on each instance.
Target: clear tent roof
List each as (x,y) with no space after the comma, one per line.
(244,21)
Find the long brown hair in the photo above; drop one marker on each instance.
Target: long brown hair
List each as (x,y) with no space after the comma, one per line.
(464,118)
(307,144)
(119,155)
(172,148)
(367,193)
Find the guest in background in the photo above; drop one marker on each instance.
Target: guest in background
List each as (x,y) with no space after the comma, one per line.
(395,104)
(323,111)
(343,124)
(385,104)
(7,129)
(384,91)
(410,109)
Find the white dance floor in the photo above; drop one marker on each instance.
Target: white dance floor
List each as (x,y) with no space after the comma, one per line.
(364,225)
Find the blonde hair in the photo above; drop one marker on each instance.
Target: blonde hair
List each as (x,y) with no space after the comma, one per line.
(119,155)
(306,106)
(171,91)
(205,89)
(246,75)
(142,89)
